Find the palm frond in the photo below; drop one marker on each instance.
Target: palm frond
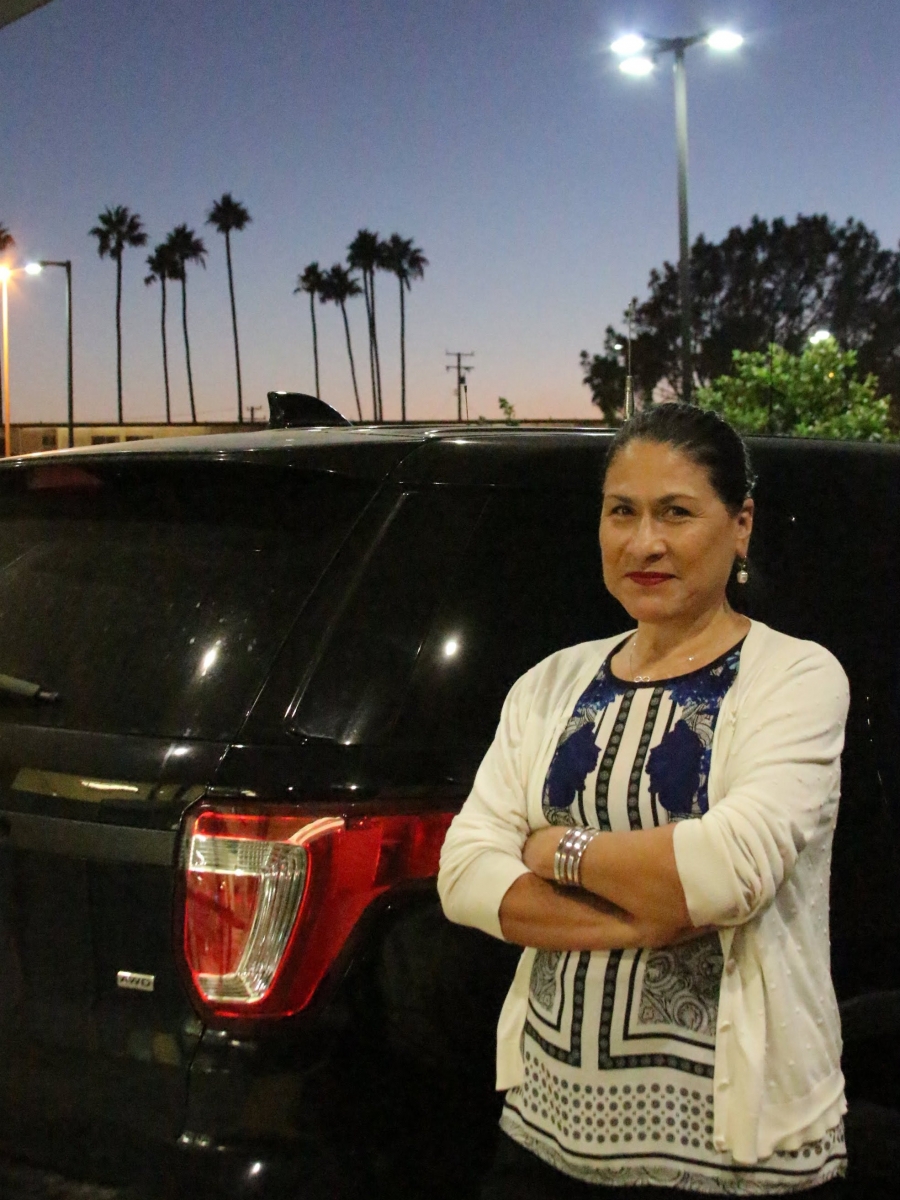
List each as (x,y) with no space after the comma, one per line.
(227,214)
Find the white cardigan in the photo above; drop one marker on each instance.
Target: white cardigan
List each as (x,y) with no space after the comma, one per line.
(756,865)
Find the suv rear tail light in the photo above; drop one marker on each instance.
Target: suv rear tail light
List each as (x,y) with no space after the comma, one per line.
(271,898)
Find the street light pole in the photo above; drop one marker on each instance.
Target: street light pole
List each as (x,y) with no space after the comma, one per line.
(66,264)
(4,279)
(635,62)
(684,245)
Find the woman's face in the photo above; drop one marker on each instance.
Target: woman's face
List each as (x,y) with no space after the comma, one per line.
(667,540)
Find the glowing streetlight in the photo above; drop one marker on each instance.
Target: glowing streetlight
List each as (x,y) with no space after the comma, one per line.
(5,273)
(630,43)
(633,49)
(820,336)
(724,39)
(638,64)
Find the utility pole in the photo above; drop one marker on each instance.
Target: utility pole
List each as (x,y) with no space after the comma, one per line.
(460,368)
(629,380)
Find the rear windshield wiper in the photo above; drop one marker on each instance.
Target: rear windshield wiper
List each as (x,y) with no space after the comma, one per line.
(22,689)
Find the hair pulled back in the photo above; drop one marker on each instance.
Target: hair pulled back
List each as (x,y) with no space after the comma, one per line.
(705,437)
(709,441)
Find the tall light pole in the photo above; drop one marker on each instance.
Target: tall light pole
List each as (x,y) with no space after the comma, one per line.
(5,273)
(66,264)
(639,54)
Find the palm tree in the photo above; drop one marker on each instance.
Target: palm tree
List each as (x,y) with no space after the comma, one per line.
(228,214)
(311,282)
(117,228)
(338,285)
(163,267)
(185,247)
(364,255)
(408,263)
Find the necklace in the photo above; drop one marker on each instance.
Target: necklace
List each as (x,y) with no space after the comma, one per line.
(646,678)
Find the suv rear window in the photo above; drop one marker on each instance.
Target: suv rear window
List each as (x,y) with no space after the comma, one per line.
(153,595)
(466,589)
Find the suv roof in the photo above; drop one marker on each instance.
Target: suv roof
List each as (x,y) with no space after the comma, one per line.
(497,435)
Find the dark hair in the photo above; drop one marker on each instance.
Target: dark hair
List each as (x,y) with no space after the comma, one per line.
(710,442)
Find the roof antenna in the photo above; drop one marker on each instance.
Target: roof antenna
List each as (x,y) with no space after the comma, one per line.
(629,382)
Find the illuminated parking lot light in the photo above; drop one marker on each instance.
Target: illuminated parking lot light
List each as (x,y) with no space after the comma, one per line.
(628,45)
(639,65)
(724,39)
(33,268)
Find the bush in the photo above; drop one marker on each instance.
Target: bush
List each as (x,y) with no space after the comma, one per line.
(813,394)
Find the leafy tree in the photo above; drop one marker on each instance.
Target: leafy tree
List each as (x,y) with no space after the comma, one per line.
(311,281)
(407,262)
(339,286)
(604,374)
(162,267)
(773,282)
(366,254)
(813,394)
(117,228)
(228,215)
(508,410)
(185,247)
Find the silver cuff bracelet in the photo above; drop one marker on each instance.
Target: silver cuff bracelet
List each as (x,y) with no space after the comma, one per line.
(569,853)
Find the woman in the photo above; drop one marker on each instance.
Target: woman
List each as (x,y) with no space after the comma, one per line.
(653,821)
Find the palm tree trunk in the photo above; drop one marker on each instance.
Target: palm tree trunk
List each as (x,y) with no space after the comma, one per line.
(375,350)
(402,352)
(365,276)
(352,367)
(119,335)
(187,346)
(312,313)
(165,350)
(237,353)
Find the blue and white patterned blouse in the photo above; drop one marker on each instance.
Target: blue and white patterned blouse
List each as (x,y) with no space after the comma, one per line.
(619,1046)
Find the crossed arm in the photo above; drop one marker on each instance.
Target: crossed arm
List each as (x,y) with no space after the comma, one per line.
(781,793)
(631,895)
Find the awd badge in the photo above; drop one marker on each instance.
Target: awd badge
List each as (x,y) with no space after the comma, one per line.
(135,982)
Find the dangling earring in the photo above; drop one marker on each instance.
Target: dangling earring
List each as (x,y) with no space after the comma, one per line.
(742,573)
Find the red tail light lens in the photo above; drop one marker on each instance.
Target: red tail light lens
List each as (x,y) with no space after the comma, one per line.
(270,899)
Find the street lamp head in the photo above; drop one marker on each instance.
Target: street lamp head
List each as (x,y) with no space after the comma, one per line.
(628,45)
(637,65)
(33,268)
(821,335)
(724,39)
(5,273)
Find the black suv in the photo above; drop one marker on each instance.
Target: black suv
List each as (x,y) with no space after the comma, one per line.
(247,680)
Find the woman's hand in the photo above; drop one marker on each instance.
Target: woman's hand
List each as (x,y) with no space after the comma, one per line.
(538,852)
(633,872)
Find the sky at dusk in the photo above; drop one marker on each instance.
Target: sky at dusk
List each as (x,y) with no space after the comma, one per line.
(498,134)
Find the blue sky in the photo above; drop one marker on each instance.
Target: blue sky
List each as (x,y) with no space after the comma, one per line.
(538,180)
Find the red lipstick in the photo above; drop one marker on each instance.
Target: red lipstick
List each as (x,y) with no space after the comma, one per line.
(648,578)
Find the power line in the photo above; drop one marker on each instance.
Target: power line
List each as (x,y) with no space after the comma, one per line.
(460,368)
